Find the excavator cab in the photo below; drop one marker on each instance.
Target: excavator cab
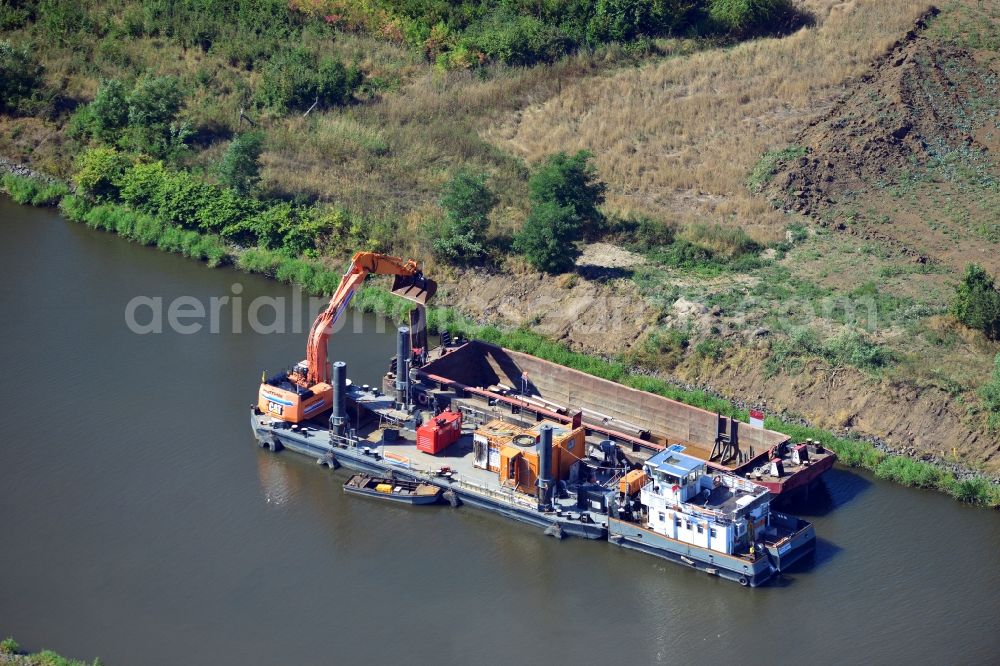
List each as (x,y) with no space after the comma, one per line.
(416,287)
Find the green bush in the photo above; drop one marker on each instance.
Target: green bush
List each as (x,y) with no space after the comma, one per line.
(467,199)
(710,349)
(853,348)
(625,20)
(516,39)
(180,198)
(849,348)
(20,78)
(685,254)
(98,172)
(295,80)
(571,181)
(145,118)
(549,236)
(662,350)
(977,302)
(645,234)
(744,18)
(9,646)
(240,166)
(153,125)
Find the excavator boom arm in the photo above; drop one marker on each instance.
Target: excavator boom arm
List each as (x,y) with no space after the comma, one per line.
(409,283)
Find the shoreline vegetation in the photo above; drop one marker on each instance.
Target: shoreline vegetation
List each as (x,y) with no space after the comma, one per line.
(318,278)
(11,655)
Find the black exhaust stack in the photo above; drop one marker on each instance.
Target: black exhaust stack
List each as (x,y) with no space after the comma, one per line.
(545,468)
(339,416)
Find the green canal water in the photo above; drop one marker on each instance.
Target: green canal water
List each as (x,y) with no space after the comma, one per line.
(139,523)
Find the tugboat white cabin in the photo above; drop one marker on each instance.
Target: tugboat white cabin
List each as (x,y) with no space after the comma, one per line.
(716,522)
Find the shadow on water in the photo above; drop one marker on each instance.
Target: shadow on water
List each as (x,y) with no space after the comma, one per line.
(835,489)
(824,552)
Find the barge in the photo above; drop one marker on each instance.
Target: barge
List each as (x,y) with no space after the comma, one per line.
(545,468)
(510,383)
(542,444)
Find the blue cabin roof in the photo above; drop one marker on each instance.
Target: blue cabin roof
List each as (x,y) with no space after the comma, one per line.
(672,461)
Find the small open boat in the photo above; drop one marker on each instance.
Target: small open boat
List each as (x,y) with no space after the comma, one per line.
(395,490)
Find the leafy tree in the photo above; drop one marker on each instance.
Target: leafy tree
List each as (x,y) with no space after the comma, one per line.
(109,112)
(548,238)
(459,237)
(240,166)
(153,106)
(467,199)
(977,302)
(155,101)
(571,181)
(20,77)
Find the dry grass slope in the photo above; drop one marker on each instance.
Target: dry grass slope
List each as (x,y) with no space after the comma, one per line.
(676,139)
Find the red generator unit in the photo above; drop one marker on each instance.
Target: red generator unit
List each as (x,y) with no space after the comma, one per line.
(439,433)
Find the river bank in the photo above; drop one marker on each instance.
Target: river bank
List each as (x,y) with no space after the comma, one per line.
(10,655)
(316,277)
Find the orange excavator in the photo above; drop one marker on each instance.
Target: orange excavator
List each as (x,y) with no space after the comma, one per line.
(306,392)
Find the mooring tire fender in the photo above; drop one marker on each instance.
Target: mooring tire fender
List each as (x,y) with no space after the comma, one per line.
(452,498)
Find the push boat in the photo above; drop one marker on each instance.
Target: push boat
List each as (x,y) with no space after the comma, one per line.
(392,489)
(678,509)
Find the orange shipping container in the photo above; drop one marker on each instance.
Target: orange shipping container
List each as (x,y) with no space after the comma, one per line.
(487,441)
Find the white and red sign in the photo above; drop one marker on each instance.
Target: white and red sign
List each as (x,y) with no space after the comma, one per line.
(756,418)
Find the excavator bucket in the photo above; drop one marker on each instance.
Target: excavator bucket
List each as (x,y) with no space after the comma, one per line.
(414,288)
